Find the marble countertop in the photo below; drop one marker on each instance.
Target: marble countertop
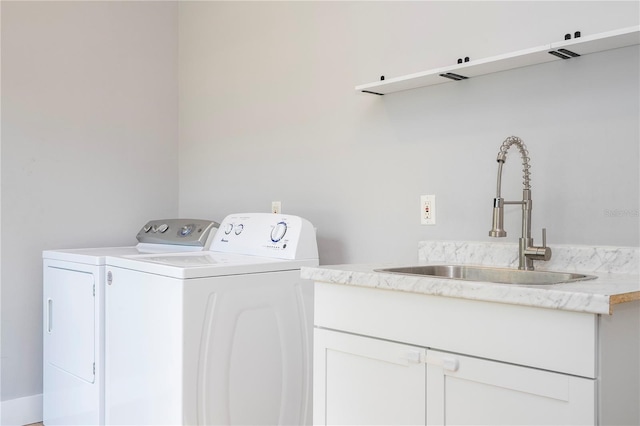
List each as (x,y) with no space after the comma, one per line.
(616,270)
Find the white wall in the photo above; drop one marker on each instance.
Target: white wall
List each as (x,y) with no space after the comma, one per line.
(268,112)
(89,148)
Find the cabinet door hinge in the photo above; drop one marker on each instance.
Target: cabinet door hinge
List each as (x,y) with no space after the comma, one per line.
(94,368)
(94,290)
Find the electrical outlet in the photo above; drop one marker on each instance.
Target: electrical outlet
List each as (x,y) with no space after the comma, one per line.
(276,207)
(428,209)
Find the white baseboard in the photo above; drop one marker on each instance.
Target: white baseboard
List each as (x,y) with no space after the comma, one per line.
(21,411)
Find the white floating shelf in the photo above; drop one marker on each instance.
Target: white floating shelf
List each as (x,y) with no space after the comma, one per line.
(537,55)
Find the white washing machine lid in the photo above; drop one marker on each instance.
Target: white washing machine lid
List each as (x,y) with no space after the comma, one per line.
(205,264)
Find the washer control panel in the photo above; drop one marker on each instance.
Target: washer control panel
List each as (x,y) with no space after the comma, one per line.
(267,235)
(186,232)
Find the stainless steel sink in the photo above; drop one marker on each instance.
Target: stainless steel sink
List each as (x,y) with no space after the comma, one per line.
(490,274)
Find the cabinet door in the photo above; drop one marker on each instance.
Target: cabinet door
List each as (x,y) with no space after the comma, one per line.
(364,381)
(465,390)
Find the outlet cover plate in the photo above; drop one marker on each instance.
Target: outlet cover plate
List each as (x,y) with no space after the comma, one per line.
(276,207)
(428,209)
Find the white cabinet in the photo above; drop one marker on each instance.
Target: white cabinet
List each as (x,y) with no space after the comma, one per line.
(466,390)
(360,380)
(390,357)
(366,381)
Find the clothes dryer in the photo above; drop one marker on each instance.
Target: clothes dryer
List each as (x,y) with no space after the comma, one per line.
(220,337)
(73,313)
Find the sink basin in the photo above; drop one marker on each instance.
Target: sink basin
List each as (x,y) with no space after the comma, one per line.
(486,273)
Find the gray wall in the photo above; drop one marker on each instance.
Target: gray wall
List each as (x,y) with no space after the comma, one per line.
(268,112)
(96,96)
(89,146)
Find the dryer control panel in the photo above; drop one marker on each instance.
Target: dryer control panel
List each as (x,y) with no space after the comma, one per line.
(267,235)
(185,232)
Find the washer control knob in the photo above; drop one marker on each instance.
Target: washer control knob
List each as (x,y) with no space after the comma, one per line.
(239,229)
(278,231)
(163,228)
(146,228)
(228,228)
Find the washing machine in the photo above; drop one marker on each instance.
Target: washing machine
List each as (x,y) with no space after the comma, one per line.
(220,337)
(73,314)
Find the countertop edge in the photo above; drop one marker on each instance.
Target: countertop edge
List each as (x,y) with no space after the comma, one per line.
(582,296)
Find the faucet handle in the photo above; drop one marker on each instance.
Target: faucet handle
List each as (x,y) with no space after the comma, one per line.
(547,250)
(539,253)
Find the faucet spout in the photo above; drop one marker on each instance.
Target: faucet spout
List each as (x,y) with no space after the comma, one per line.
(527,251)
(524,154)
(498,219)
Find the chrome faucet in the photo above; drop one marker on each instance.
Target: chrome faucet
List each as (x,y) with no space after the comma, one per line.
(527,251)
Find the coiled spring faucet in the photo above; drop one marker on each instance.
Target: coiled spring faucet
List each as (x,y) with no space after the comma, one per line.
(527,252)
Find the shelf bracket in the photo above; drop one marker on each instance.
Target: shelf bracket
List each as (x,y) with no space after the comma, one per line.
(453,76)
(564,53)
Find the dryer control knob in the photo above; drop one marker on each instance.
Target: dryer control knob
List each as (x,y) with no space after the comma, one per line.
(186,230)
(239,229)
(278,231)
(228,228)
(163,228)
